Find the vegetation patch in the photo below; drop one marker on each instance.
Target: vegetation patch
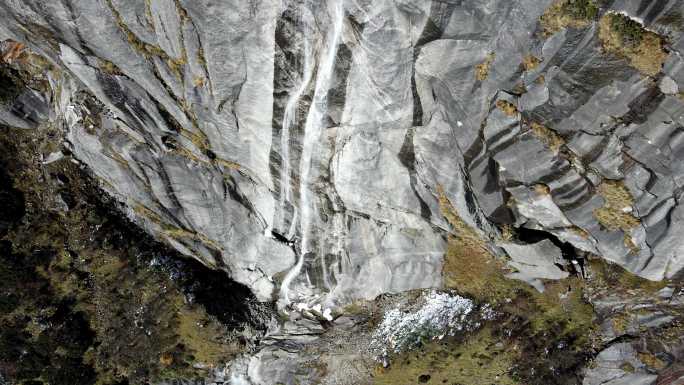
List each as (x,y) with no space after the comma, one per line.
(482,69)
(616,213)
(175,65)
(507,107)
(610,276)
(560,317)
(548,136)
(469,265)
(568,14)
(109,68)
(624,37)
(479,359)
(530,62)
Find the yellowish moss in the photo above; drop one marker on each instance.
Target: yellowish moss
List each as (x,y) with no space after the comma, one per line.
(568,14)
(12,52)
(624,37)
(201,58)
(146,213)
(109,67)
(481,359)
(548,136)
(172,231)
(482,69)
(185,153)
(228,164)
(166,359)
(508,108)
(617,199)
(148,14)
(651,361)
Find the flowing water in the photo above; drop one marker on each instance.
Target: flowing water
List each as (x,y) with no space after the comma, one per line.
(313,131)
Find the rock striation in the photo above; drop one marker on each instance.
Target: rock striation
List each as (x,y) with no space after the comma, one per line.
(309,148)
(300,145)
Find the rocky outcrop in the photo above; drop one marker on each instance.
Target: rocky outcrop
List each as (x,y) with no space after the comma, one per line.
(300,146)
(326,152)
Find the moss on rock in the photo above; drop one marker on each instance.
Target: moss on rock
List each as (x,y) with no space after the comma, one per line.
(568,14)
(622,36)
(616,212)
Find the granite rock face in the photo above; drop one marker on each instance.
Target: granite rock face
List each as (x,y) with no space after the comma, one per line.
(300,145)
(305,147)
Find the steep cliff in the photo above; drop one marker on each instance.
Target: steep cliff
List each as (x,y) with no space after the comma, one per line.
(325,153)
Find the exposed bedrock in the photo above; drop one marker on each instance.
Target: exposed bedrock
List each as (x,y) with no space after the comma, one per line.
(306,147)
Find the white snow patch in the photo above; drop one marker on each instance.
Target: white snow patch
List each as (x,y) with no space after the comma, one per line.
(441,315)
(327,314)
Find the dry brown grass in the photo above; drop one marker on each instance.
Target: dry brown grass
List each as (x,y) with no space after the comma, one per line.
(651,361)
(624,37)
(12,51)
(548,136)
(469,265)
(616,198)
(530,62)
(609,276)
(567,13)
(109,68)
(198,81)
(629,243)
(472,269)
(480,359)
(482,69)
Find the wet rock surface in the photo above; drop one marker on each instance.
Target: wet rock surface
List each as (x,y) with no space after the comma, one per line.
(325,163)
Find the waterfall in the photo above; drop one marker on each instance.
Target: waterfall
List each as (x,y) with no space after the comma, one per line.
(313,131)
(290,115)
